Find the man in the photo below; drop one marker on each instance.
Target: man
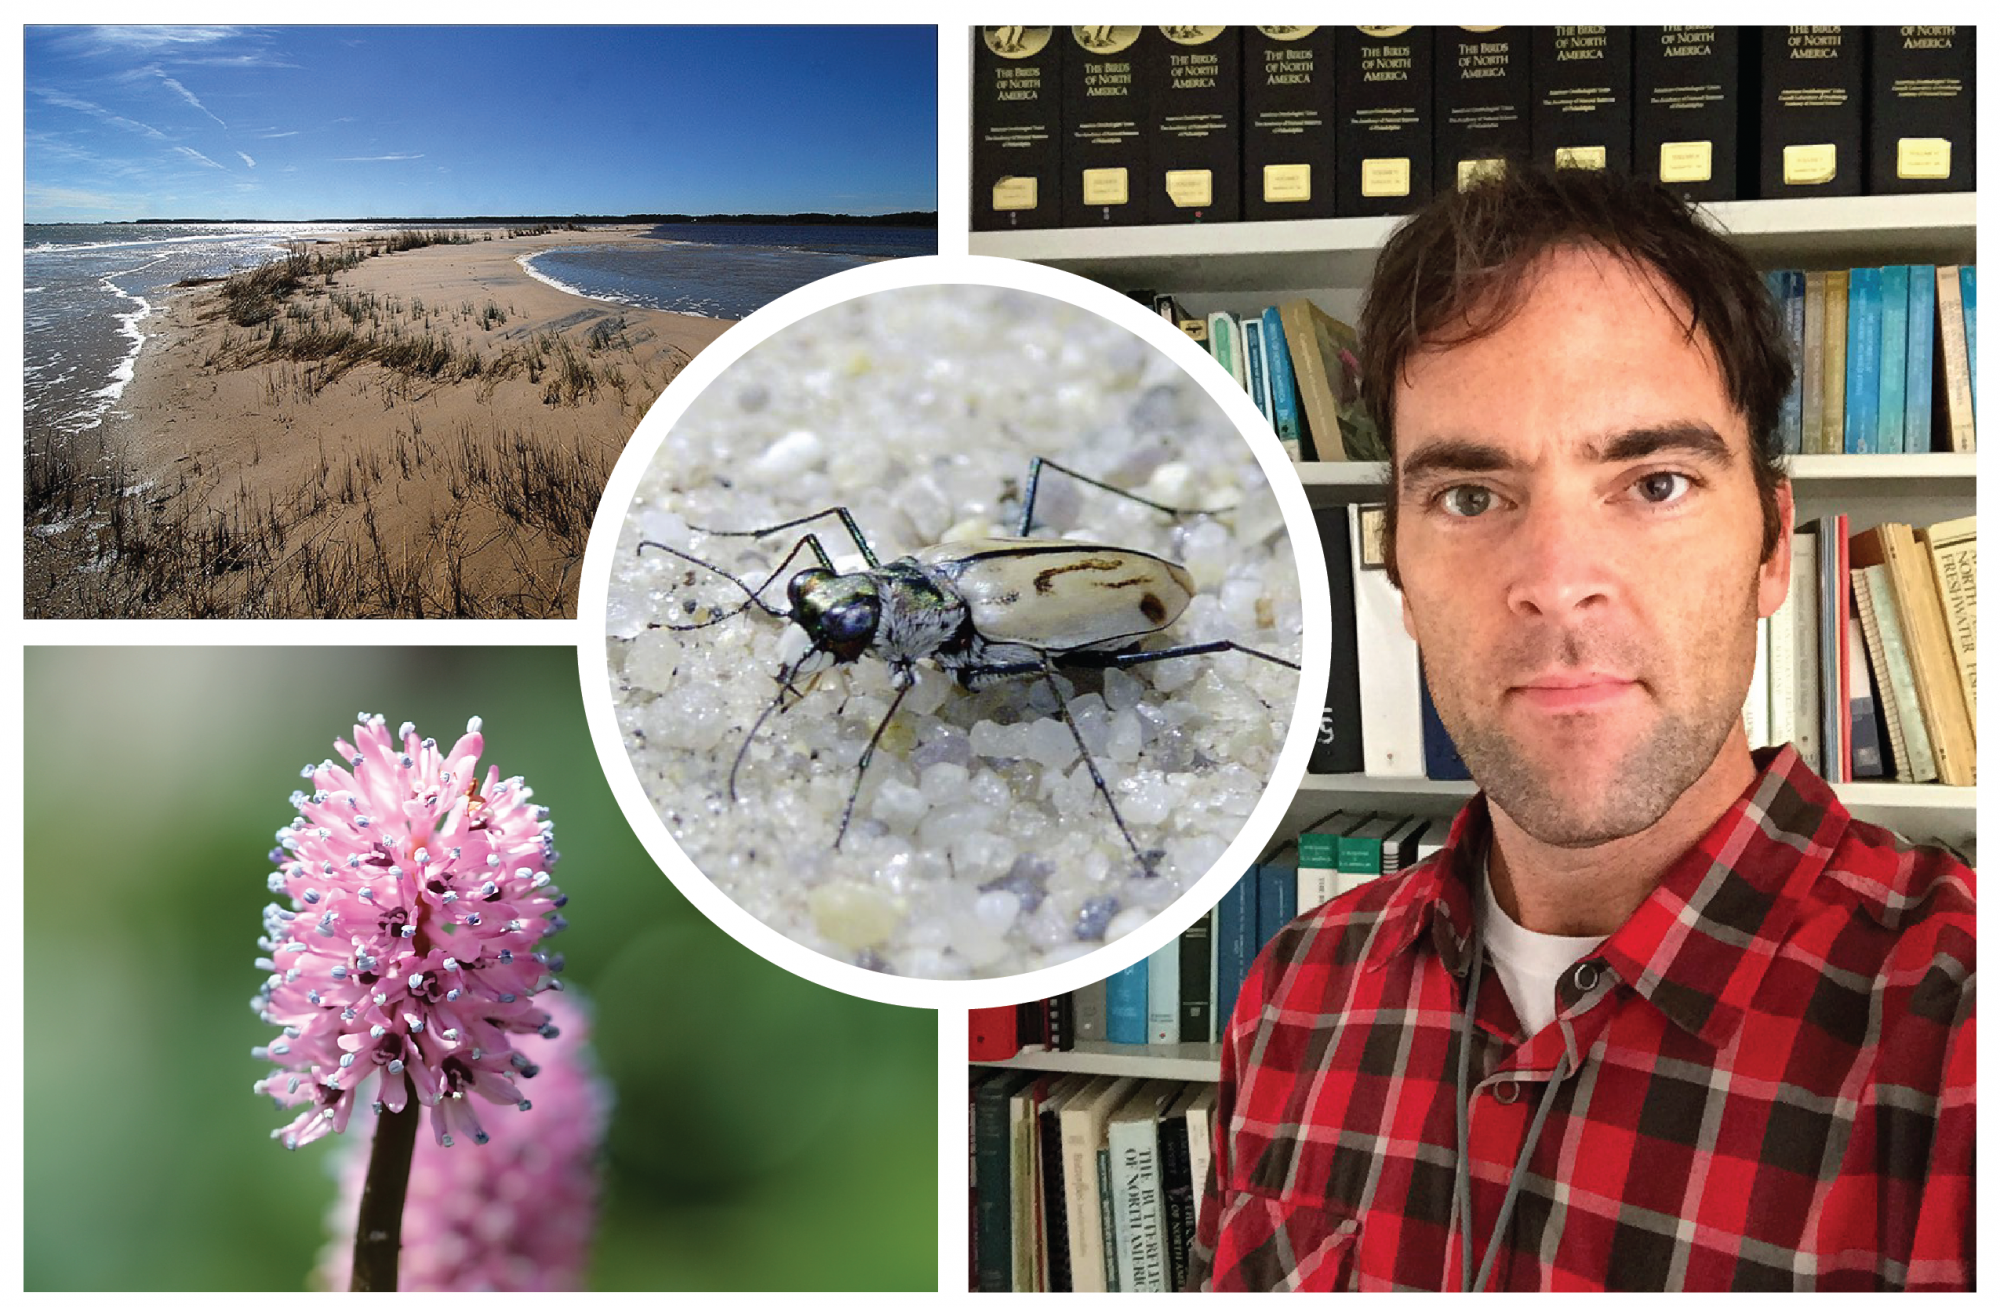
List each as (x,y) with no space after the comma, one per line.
(1721,1033)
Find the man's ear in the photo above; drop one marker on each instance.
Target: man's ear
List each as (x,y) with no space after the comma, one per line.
(1774,575)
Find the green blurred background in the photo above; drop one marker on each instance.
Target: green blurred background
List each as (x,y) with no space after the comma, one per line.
(767,1134)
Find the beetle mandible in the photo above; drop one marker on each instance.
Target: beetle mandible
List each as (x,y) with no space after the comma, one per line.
(982,610)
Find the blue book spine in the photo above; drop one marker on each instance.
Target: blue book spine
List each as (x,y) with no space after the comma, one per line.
(1284,390)
(1895,357)
(1864,359)
(1441,760)
(1125,1004)
(1795,331)
(1235,943)
(1253,362)
(1918,378)
(1968,291)
(1277,899)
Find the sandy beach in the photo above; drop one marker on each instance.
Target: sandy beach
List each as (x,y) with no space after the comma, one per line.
(423,433)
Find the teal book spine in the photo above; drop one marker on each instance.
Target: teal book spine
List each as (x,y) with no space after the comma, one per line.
(1968,291)
(1895,357)
(1125,1005)
(1864,359)
(1253,365)
(1284,388)
(1920,380)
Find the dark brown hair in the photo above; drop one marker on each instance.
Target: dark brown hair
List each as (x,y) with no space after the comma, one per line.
(1460,268)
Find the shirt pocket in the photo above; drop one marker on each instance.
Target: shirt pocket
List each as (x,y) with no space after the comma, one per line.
(1268,1243)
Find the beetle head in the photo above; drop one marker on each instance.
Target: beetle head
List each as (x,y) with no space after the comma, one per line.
(840,613)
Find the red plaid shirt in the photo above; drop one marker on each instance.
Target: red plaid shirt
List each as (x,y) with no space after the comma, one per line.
(1772,1087)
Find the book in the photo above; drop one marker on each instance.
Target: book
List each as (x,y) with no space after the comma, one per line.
(1235,944)
(1083,1124)
(1319,859)
(1920,611)
(1338,746)
(1277,899)
(1582,97)
(1399,846)
(1259,383)
(1792,299)
(1090,1012)
(1757,702)
(1133,1138)
(1812,365)
(1865,733)
(1968,295)
(1920,109)
(1125,1004)
(1864,360)
(1288,122)
(1326,369)
(1053,1263)
(1105,118)
(1225,345)
(1896,761)
(1687,110)
(1895,358)
(1284,390)
(1392,725)
(1361,852)
(1953,548)
(1383,139)
(1441,760)
(1810,112)
(1016,128)
(1201,1143)
(1197,977)
(1195,98)
(1833,376)
(1480,99)
(1803,603)
(993,1178)
(1433,838)
(1830,562)
(1163,994)
(1177,1185)
(994,1033)
(1957,359)
(1920,376)
(1781,675)
(1909,738)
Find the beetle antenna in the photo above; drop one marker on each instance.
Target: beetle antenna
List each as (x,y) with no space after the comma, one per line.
(755,596)
(784,687)
(1036,464)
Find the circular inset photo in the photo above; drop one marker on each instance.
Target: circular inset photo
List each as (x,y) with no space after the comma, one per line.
(953,631)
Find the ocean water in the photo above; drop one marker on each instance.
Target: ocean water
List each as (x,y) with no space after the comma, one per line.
(722,270)
(88,287)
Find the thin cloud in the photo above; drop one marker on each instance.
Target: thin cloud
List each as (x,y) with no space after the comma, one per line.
(248,162)
(376,158)
(199,157)
(272,136)
(64,100)
(189,96)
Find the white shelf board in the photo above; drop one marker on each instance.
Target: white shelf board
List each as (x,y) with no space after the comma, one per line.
(1244,256)
(1159,1061)
(1877,795)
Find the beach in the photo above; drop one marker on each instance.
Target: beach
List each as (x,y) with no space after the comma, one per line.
(423,433)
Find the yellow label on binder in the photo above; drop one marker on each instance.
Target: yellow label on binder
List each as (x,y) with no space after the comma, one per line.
(1472,170)
(1923,158)
(1809,165)
(1580,156)
(1385,177)
(1190,188)
(1687,161)
(1104,186)
(1288,183)
(1013,193)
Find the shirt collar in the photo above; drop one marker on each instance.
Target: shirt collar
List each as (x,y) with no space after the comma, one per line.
(1700,943)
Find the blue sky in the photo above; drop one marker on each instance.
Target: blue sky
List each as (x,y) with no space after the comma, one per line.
(291,123)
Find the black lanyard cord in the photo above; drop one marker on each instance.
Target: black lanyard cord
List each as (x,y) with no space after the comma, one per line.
(1467,1283)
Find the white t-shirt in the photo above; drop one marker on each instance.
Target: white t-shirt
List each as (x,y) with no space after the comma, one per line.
(1528,962)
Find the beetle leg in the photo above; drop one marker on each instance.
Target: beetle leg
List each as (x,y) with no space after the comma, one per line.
(846,521)
(785,687)
(904,680)
(1132,658)
(1037,463)
(1145,861)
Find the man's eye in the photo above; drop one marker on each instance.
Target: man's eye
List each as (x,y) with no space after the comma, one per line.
(1662,487)
(1466,501)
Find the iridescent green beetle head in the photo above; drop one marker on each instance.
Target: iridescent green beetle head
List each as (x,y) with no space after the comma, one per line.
(840,613)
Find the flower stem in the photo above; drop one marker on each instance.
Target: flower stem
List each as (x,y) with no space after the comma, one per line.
(378,1227)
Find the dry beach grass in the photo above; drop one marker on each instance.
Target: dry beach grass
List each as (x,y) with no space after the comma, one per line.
(402,425)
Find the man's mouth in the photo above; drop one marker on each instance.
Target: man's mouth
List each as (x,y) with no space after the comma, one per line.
(1575,691)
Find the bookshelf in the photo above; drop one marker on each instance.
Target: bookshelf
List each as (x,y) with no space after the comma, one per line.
(1242,266)
(1098,1058)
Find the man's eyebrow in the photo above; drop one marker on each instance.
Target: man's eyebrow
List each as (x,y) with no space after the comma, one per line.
(1459,454)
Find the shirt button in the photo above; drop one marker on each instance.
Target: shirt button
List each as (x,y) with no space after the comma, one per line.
(1586,977)
(1506,1092)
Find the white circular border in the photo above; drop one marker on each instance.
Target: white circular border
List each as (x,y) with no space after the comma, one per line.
(623,485)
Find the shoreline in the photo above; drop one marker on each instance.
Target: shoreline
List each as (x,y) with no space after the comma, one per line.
(424,432)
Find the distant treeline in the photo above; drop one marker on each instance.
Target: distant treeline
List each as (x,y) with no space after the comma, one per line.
(906,219)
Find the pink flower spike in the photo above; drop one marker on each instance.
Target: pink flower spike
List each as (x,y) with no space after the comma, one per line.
(517,1214)
(419,898)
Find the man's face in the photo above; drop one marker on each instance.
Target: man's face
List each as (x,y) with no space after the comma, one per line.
(1578,537)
